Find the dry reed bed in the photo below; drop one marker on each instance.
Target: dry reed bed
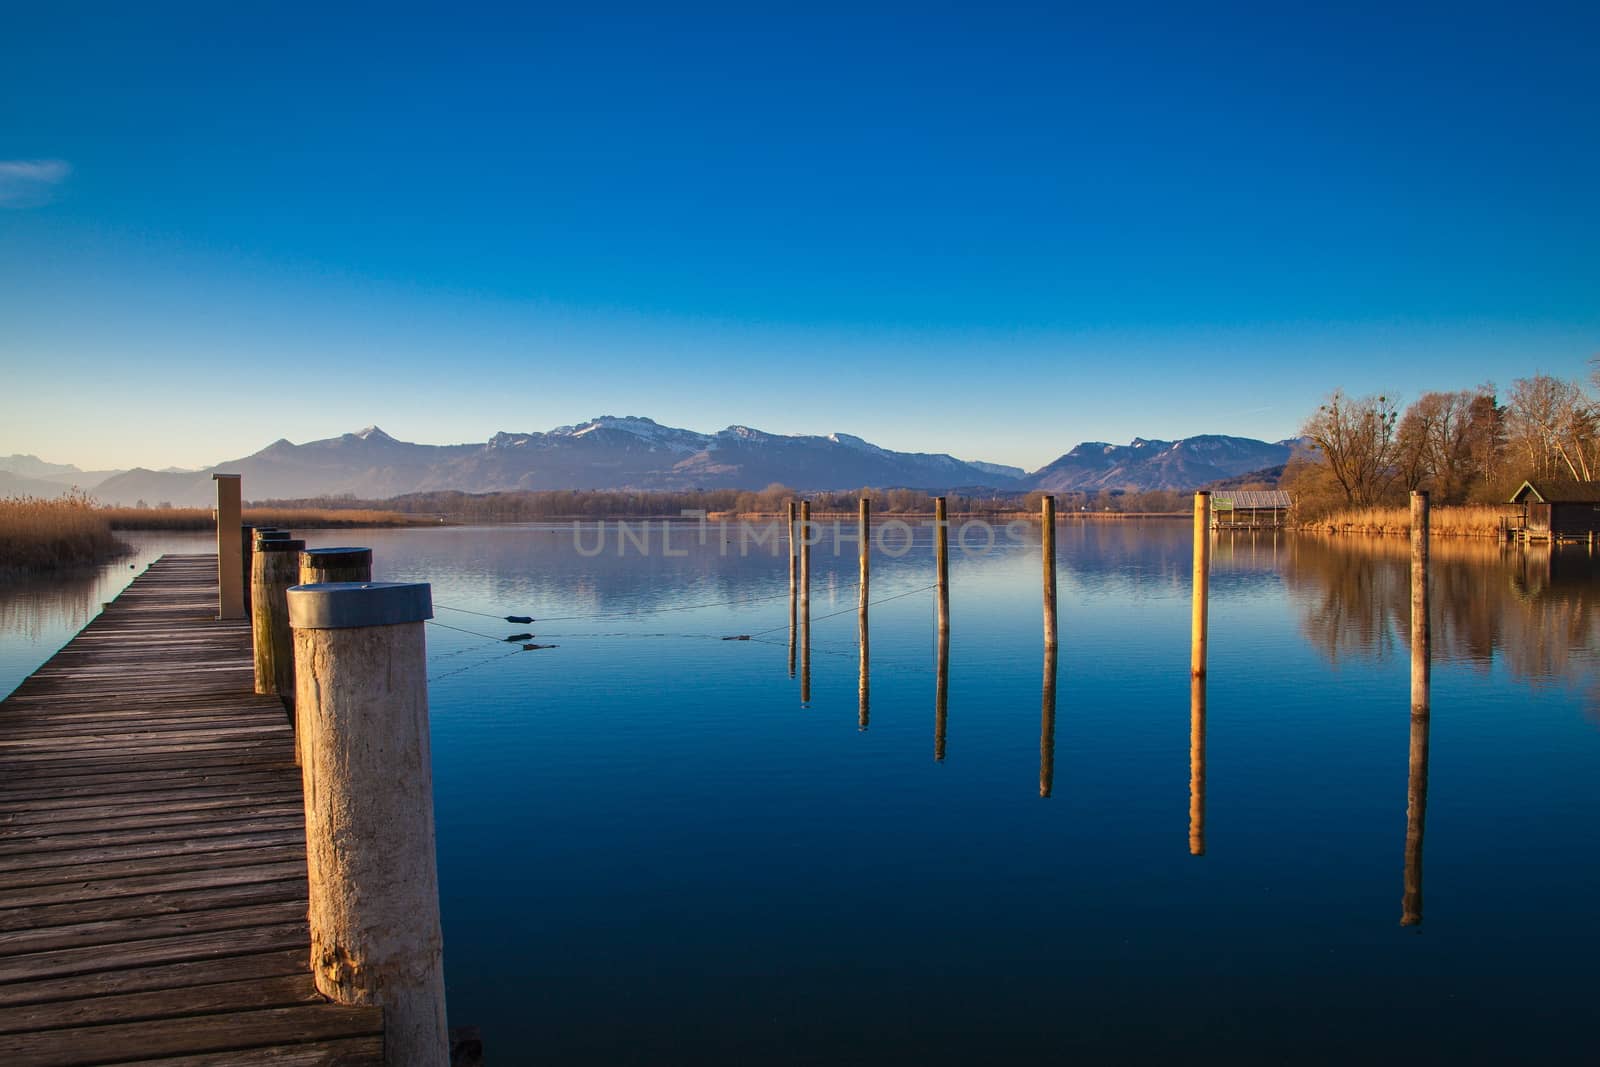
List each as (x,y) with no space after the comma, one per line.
(40,534)
(1469,520)
(293,518)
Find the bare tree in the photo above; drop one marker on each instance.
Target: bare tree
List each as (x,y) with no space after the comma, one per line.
(1356,438)
(1550,426)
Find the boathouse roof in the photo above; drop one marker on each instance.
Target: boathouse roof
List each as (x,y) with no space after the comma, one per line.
(1250,498)
(1557,491)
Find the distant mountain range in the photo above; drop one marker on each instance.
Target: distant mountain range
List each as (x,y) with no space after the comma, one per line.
(638,453)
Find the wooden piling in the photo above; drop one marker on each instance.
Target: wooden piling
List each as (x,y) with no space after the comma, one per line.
(805,601)
(1202,578)
(1047,550)
(361,658)
(1421,707)
(1197,765)
(335,565)
(1421,631)
(275,566)
(941,553)
(1047,723)
(230,571)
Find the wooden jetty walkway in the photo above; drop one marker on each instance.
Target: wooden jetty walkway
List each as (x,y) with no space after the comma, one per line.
(152,851)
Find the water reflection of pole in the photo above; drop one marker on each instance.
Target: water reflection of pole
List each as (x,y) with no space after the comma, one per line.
(1047,539)
(1047,723)
(941,558)
(794,575)
(1421,684)
(805,602)
(1197,765)
(940,690)
(864,536)
(1202,572)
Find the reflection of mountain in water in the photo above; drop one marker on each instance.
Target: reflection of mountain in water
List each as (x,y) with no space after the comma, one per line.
(1536,607)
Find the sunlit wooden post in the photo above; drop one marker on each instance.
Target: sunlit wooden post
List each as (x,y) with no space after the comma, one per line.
(794,577)
(805,602)
(864,537)
(335,565)
(361,663)
(275,567)
(230,571)
(941,556)
(1047,548)
(1421,684)
(1197,765)
(1047,723)
(1202,578)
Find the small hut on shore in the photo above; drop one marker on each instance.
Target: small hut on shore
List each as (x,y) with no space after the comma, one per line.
(1249,509)
(1553,510)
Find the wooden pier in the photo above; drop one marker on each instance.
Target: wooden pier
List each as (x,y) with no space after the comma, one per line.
(152,851)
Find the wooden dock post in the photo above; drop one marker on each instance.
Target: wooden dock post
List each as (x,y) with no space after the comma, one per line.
(805,601)
(1197,765)
(1202,579)
(275,566)
(864,536)
(230,572)
(794,578)
(1421,701)
(1047,548)
(361,661)
(335,565)
(1047,723)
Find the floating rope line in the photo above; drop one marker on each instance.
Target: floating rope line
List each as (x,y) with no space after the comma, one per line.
(663,611)
(475,633)
(480,663)
(847,611)
(522,619)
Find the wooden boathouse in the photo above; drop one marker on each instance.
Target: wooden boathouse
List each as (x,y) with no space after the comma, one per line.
(1249,509)
(1554,510)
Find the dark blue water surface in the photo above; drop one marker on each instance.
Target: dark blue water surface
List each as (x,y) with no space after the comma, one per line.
(652,851)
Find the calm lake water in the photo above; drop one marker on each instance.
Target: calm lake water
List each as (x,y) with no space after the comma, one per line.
(651,851)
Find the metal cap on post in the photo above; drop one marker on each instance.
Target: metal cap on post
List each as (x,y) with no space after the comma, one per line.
(360,658)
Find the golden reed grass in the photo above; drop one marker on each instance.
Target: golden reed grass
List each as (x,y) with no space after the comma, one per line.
(40,534)
(292,518)
(1468,520)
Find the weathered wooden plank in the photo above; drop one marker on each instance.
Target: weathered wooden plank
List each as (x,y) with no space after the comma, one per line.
(152,851)
(207,945)
(59,922)
(166,881)
(196,1035)
(225,968)
(271,992)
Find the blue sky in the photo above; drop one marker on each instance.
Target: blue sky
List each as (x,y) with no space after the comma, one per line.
(990,230)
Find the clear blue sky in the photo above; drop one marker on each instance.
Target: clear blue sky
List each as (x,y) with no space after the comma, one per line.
(989,230)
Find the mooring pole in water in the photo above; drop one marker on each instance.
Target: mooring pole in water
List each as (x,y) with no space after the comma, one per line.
(864,536)
(794,578)
(1047,547)
(275,566)
(1047,723)
(1197,765)
(805,601)
(1202,579)
(360,657)
(335,565)
(230,572)
(941,556)
(1421,700)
